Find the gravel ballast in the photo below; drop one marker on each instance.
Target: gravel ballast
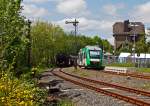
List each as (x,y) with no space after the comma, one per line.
(78,95)
(127,81)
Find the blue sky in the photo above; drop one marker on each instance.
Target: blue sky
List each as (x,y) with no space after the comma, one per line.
(95,17)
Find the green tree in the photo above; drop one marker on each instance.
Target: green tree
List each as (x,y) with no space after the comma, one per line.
(107,46)
(13,38)
(141,46)
(98,40)
(48,40)
(148,45)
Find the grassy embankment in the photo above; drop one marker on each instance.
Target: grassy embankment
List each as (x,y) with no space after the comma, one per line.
(129,65)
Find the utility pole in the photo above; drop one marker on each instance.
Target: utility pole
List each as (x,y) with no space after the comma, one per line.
(29,45)
(75,24)
(134,38)
(134,43)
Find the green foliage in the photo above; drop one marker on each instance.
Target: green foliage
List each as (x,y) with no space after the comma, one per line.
(48,40)
(148,45)
(122,64)
(140,47)
(13,40)
(13,57)
(16,92)
(44,38)
(107,46)
(143,70)
(126,47)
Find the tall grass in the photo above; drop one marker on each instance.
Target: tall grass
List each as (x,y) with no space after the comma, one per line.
(121,64)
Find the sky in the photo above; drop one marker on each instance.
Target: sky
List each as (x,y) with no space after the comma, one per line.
(95,17)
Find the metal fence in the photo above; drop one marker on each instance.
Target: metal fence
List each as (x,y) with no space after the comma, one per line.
(137,62)
(110,59)
(145,63)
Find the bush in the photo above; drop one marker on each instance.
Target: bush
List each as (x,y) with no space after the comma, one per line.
(16,92)
(34,71)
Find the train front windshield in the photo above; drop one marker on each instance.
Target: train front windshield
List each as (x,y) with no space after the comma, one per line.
(95,54)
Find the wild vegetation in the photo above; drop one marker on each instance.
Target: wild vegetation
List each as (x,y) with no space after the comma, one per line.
(17,46)
(48,40)
(14,88)
(121,64)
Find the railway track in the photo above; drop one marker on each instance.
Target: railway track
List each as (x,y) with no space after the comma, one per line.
(129,74)
(135,75)
(140,98)
(111,85)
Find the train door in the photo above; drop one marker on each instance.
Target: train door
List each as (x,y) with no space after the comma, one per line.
(80,58)
(84,59)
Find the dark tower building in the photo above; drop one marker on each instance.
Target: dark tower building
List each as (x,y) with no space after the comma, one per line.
(126,31)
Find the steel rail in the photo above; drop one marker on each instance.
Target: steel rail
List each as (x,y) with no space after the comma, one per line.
(129,74)
(115,95)
(137,91)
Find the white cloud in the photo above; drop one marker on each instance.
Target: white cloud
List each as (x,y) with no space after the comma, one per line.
(88,24)
(39,1)
(36,1)
(67,7)
(91,25)
(142,12)
(112,9)
(33,11)
(72,7)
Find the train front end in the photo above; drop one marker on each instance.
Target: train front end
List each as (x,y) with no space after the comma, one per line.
(91,57)
(94,59)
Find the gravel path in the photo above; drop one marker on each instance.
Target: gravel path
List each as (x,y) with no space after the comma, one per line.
(121,80)
(78,95)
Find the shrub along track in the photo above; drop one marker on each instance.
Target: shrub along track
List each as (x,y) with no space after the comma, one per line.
(127,94)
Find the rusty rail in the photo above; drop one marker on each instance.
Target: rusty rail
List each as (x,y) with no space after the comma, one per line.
(137,91)
(116,95)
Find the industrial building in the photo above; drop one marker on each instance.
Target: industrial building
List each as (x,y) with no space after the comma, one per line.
(127,32)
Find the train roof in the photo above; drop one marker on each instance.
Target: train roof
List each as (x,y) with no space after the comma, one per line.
(93,47)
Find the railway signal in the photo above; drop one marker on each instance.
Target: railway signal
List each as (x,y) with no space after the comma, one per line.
(75,24)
